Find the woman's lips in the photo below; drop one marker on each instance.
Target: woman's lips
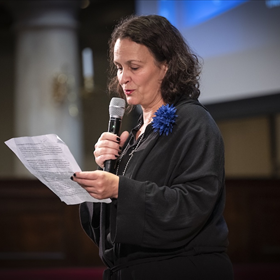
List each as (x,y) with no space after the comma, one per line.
(128,91)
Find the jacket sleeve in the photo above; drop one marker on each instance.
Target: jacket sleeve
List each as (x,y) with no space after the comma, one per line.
(178,189)
(89,218)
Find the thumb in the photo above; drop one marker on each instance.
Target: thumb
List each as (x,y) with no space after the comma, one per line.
(123,137)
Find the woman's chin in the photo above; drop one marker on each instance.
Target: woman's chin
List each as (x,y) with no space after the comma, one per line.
(131,101)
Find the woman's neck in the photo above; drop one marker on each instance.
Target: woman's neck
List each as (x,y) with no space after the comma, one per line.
(148,114)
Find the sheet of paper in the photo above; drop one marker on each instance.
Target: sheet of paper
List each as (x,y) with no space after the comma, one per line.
(49,159)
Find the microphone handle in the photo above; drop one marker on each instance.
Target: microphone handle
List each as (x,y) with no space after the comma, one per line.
(114,126)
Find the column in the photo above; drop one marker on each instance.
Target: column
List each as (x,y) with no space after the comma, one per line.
(47,73)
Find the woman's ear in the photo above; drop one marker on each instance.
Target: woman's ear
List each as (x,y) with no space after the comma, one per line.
(165,65)
(164,68)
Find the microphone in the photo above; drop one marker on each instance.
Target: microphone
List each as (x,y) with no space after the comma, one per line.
(116,112)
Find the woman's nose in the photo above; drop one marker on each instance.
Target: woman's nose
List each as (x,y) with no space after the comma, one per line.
(124,77)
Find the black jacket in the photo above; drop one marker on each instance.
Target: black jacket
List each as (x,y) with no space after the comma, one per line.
(172,196)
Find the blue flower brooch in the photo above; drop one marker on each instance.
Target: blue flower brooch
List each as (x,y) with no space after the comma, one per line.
(164,119)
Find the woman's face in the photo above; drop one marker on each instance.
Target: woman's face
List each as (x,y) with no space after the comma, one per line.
(138,73)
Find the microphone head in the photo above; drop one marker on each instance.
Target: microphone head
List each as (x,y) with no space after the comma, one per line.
(117,107)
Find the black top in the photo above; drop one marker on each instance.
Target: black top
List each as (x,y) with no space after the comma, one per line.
(171,197)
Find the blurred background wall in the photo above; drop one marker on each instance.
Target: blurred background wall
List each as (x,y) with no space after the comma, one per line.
(32,79)
(46,87)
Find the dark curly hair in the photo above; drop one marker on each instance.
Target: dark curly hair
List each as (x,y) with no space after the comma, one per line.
(166,44)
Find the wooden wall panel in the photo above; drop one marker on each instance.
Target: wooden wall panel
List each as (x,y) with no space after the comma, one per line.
(38,230)
(253,216)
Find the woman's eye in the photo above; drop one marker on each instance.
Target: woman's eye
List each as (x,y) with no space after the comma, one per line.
(134,68)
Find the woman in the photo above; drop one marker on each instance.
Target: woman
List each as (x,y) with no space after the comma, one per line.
(166,216)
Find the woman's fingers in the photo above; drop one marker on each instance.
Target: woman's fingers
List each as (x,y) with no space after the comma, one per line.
(109,136)
(99,184)
(108,152)
(108,147)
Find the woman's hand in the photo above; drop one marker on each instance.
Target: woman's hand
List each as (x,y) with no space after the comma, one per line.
(108,147)
(99,184)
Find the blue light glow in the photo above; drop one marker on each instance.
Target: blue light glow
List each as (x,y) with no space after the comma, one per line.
(190,13)
(168,9)
(272,3)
